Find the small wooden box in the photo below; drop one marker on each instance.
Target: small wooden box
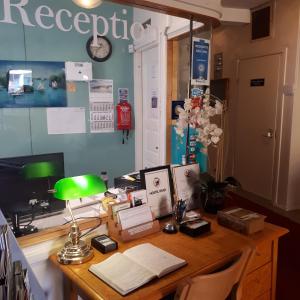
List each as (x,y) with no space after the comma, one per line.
(241,220)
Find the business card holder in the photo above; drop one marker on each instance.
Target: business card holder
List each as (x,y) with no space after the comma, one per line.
(115,230)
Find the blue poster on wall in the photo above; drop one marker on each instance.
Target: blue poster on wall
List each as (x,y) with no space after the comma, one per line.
(200,62)
(32,84)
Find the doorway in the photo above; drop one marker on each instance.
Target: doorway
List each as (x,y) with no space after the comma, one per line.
(256,133)
(151,108)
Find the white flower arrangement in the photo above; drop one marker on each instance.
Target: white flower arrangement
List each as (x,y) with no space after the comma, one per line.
(198,117)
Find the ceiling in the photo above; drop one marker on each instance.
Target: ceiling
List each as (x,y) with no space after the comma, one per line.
(242,3)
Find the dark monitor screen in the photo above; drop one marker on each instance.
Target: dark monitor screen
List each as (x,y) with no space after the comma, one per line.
(26,183)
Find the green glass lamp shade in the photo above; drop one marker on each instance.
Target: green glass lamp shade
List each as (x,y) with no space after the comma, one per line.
(72,188)
(40,170)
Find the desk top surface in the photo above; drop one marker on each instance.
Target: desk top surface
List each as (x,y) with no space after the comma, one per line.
(203,254)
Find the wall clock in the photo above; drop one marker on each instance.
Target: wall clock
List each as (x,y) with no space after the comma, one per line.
(102,51)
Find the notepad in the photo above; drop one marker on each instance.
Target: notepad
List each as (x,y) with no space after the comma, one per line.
(135,267)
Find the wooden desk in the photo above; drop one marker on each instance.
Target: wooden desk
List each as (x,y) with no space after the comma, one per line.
(203,255)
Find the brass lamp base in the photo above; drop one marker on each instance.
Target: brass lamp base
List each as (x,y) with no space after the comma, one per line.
(75,254)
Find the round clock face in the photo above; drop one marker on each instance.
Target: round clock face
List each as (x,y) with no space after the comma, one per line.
(102,51)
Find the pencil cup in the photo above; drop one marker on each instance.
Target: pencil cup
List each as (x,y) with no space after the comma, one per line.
(179,211)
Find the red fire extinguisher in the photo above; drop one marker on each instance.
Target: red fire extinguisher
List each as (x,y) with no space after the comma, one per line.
(124,118)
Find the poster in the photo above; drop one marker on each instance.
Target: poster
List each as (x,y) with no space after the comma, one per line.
(101,117)
(32,84)
(200,62)
(123,94)
(101,105)
(101,90)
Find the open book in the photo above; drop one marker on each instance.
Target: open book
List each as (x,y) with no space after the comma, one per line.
(138,265)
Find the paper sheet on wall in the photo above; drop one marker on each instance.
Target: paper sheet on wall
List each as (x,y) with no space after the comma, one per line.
(123,94)
(101,117)
(101,105)
(101,90)
(66,120)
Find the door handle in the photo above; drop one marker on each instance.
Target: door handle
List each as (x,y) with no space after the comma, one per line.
(269,134)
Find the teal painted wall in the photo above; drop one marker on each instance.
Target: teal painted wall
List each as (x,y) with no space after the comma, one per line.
(24,131)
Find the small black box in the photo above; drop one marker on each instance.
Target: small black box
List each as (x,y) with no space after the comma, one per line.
(104,243)
(195,228)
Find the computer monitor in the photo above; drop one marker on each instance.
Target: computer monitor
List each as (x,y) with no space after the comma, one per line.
(26,187)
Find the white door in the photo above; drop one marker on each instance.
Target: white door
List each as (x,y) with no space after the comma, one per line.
(255,143)
(151,108)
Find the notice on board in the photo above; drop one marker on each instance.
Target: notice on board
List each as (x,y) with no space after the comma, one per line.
(101,90)
(101,117)
(122,94)
(67,120)
(101,106)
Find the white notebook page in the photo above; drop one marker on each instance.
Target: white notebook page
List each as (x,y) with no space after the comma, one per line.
(154,259)
(122,273)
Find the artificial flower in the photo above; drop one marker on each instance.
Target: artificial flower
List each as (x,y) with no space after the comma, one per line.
(199,118)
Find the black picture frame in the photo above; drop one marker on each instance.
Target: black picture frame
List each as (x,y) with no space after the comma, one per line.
(143,174)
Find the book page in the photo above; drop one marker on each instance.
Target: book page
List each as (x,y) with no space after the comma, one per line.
(154,259)
(121,273)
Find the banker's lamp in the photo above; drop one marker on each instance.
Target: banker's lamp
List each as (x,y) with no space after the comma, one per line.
(88,3)
(76,251)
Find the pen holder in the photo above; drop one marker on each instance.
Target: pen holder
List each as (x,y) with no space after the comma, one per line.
(179,211)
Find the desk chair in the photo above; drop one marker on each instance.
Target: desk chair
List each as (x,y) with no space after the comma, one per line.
(221,285)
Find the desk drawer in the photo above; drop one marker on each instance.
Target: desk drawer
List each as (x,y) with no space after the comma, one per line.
(257,283)
(262,255)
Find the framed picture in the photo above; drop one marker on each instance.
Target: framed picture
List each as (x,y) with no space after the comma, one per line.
(159,186)
(184,178)
(26,84)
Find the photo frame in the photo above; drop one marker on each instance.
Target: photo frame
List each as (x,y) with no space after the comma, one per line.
(159,186)
(184,178)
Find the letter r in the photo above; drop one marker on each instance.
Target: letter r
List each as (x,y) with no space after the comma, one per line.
(20,6)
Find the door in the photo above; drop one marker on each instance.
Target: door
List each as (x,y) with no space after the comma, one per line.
(151,108)
(255,143)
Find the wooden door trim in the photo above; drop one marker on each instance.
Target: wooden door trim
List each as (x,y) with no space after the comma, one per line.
(172,91)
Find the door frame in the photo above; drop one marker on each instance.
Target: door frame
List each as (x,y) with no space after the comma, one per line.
(161,43)
(279,129)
